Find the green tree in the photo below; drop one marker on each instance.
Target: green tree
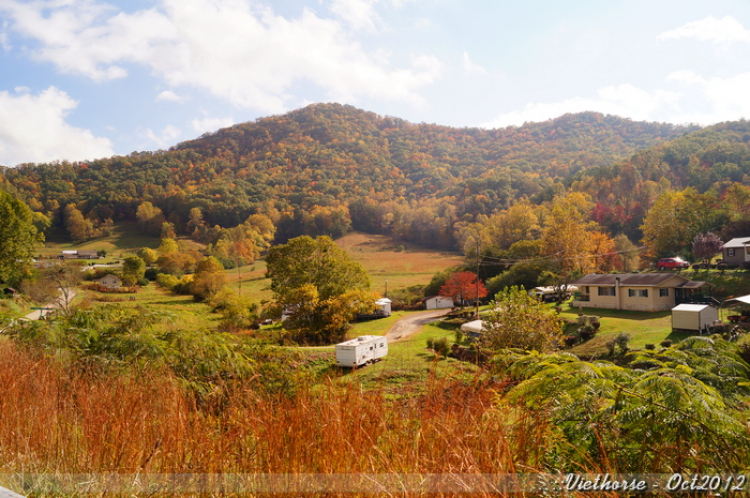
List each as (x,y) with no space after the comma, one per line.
(318,262)
(133,270)
(148,255)
(314,320)
(209,278)
(18,238)
(319,286)
(519,320)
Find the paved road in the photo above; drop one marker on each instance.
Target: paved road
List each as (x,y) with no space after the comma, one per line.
(37,314)
(6,493)
(410,325)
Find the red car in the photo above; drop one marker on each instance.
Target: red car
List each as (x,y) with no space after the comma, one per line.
(672,263)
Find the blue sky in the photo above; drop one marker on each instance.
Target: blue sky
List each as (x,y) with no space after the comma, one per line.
(83,79)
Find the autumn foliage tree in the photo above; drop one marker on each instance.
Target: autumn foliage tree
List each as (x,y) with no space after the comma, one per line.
(706,246)
(464,286)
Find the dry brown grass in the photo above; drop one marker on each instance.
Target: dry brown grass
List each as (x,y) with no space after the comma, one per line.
(56,421)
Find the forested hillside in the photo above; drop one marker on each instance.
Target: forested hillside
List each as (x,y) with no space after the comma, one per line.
(327,168)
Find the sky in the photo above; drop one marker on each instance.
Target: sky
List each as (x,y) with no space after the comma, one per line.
(85,79)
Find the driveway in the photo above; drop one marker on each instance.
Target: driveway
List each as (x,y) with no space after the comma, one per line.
(410,325)
(37,314)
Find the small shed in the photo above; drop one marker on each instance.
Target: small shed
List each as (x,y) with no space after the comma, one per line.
(437,302)
(384,306)
(695,317)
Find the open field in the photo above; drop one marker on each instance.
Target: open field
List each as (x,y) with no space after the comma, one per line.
(185,314)
(126,238)
(383,261)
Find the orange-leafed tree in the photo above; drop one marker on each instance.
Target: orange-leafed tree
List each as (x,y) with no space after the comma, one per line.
(464,286)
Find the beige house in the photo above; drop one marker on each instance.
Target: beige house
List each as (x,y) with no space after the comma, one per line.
(635,291)
(111,281)
(736,251)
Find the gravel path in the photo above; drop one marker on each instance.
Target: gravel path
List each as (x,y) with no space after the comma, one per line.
(410,325)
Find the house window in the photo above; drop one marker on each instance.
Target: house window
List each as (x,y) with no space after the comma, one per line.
(730,252)
(606,291)
(663,292)
(637,292)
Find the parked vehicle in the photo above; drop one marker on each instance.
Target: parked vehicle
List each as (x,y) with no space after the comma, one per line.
(672,263)
(361,351)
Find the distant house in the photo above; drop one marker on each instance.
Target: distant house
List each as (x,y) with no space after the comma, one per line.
(45,263)
(436,302)
(636,292)
(74,254)
(736,251)
(111,281)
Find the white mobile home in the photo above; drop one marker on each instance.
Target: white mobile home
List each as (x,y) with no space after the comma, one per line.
(695,317)
(361,351)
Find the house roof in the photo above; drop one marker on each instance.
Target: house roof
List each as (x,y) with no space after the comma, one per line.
(628,279)
(690,307)
(737,243)
(433,297)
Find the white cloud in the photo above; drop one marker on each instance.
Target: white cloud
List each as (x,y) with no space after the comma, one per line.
(33,129)
(168,96)
(728,98)
(621,100)
(211,124)
(168,136)
(721,31)
(360,14)
(470,68)
(236,50)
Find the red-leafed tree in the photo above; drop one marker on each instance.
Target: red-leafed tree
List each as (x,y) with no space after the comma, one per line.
(463,286)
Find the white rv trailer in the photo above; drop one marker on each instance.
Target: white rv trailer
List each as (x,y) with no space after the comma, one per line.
(361,351)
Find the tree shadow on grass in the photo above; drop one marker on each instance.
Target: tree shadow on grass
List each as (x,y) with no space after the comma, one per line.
(181,302)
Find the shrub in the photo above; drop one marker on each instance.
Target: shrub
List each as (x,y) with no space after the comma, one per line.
(622,341)
(459,336)
(439,346)
(665,343)
(650,347)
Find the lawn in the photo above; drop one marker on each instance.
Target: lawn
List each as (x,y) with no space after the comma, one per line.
(410,362)
(644,328)
(185,314)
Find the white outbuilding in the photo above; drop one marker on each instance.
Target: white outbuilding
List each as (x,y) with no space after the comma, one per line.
(384,306)
(437,302)
(694,317)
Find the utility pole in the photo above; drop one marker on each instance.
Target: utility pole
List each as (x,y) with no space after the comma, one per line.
(476,296)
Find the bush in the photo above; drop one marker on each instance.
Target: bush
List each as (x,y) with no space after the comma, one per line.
(151,274)
(650,347)
(167,281)
(622,341)
(665,343)
(439,346)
